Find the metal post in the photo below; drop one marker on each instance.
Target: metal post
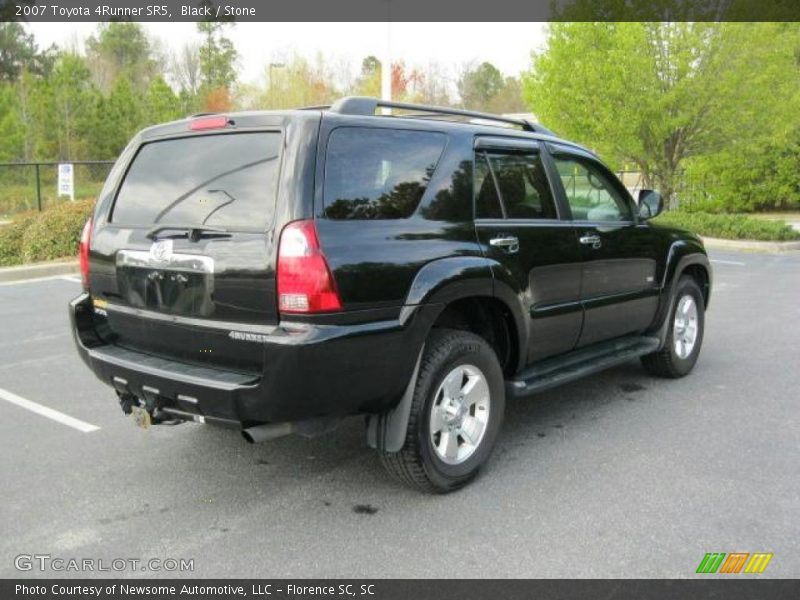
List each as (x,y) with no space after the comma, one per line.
(386,62)
(38,189)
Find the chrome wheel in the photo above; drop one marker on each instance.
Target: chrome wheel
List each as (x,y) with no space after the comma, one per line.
(684,328)
(459,414)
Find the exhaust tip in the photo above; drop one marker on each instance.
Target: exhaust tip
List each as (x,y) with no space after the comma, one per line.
(267,431)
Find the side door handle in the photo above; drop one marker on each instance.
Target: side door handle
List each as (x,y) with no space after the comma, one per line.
(591,240)
(509,243)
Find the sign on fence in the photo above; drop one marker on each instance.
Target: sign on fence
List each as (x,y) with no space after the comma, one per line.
(66,180)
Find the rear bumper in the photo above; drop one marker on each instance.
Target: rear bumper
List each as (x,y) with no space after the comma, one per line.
(310,370)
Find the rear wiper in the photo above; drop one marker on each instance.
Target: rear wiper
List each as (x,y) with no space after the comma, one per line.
(193,232)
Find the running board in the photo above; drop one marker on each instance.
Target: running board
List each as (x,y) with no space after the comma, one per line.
(579,363)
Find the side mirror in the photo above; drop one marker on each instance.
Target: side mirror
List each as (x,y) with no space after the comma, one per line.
(650,204)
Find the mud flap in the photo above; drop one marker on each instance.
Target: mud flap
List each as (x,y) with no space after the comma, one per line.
(387,431)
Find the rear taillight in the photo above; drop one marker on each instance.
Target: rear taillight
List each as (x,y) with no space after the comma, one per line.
(305,284)
(83,253)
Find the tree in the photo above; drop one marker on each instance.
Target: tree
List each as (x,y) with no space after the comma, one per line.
(433,87)
(185,68)
(161,102)
(508,99)
(13,137)
(30,108)
(658,95)
(217,57)
(299,82)
(18,52)
(121,50)
(71,98)
(478,85)
(369,81)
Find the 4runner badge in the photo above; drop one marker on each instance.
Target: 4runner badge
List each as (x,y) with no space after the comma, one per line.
(161,250)
(246,336)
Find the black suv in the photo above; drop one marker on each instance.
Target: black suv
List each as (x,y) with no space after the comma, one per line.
(275,272)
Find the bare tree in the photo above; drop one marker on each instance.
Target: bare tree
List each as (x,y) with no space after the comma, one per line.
(185,68)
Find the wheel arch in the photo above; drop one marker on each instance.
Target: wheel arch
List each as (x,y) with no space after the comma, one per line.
(685,257)
(464,289)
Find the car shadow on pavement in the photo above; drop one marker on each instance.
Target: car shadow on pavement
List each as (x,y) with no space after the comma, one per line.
(343,454)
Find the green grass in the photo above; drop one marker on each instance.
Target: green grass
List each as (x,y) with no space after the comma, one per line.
(730,227)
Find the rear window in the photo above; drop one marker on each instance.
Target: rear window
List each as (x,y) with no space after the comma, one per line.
(378,173)
(227,180)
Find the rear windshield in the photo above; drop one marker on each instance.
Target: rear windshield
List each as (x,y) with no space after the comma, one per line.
(378,173)
(227,180)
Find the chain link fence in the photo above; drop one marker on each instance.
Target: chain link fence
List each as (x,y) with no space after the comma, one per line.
(34,185)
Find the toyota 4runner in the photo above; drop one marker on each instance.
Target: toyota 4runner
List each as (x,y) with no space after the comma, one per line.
(275,272)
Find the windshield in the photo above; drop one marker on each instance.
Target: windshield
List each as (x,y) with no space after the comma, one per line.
(227,180)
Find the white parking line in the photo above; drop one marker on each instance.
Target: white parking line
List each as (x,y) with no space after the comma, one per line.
(50,413)
(728,262)
(40,279)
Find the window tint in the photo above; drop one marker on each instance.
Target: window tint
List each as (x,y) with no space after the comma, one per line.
(378,173)
(524,191)
(225,180)
(591,196)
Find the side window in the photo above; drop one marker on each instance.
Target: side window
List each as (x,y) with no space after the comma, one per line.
(378,173)
(513,186)
(591,196)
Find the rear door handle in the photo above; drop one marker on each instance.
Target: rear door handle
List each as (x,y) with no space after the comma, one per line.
(509,243)
(591,240)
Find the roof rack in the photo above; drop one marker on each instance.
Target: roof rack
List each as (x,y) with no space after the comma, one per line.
(366,106)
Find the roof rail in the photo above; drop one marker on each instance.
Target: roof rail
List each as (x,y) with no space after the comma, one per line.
(366,106)
(314,107)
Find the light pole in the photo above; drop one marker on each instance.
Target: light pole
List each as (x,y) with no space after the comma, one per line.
(386,62)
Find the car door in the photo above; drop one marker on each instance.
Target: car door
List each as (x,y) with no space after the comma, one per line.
(619,291)
(518,224)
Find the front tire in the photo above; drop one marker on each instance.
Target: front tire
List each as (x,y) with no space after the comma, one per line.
(684,336)
(456,414)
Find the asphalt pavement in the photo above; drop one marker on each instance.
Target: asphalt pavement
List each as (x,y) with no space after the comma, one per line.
(617,475)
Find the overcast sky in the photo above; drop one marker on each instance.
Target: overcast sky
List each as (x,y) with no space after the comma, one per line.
(507,45)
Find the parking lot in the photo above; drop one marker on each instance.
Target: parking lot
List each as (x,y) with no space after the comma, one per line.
(617,475)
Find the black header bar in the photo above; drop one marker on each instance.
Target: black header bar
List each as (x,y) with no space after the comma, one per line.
(398,10)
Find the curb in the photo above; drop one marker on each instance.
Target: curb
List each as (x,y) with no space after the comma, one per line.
(38,271)
(752,245)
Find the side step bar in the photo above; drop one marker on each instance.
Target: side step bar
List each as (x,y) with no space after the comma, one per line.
(579,363)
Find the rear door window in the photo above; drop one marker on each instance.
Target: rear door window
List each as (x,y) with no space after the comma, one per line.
(226,180)
(513,186)
(378,173)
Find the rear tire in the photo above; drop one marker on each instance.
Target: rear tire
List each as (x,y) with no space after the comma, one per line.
(684,336)
(456,414)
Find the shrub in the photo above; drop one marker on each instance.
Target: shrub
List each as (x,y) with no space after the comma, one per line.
(11,239)
(762,175)
(729,227)
(55,233)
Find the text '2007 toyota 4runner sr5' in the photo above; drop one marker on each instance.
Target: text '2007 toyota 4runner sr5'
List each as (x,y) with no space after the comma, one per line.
(275,272)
